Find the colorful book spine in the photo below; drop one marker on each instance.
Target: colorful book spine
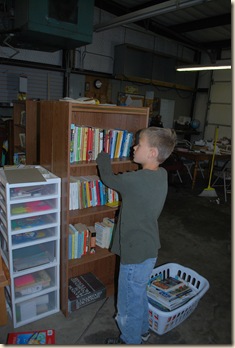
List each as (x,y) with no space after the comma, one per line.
(101,140)
(89,150)
(118,144)
(72,131)
(79,144)
(113,137)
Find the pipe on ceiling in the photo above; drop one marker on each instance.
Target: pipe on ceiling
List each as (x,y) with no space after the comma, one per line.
(151,11)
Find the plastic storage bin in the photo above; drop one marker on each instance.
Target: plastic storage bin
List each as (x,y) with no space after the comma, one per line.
(162,322)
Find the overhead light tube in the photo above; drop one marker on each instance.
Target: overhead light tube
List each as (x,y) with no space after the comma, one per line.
(204,67)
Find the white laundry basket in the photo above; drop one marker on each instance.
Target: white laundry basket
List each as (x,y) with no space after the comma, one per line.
(162,322)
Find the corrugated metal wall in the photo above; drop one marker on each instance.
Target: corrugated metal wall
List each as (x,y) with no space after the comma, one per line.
(42,84)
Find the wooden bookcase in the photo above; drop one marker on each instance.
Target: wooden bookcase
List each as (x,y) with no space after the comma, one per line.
(55,121)
(26,121)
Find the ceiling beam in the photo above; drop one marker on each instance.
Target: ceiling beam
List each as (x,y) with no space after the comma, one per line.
(111,7)
(151,8)
(148,12)
(204,23)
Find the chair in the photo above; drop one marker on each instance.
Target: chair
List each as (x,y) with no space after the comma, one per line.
(223,174)
(174,166)
(186,162)
(189,164)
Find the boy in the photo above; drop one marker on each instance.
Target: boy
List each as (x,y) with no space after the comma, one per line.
(136,238)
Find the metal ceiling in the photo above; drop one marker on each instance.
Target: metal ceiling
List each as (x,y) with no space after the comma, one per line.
(204,25)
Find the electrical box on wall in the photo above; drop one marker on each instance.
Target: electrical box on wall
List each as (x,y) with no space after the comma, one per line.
(51,25)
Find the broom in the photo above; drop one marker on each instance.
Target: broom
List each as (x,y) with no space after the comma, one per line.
(210,191)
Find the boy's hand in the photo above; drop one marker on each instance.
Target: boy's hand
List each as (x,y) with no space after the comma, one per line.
(102,157)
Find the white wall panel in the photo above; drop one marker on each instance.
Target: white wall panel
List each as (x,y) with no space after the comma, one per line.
(221,92)
(200,111)
(220,105)
(222,75)
(223,132)
(220,114)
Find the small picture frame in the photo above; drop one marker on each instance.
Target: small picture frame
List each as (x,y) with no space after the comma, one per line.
(22,140)
(23,118)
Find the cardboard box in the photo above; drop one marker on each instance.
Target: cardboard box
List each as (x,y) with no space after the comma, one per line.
(83,290)
(26,174)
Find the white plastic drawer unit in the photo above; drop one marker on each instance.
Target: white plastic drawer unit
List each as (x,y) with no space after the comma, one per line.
(42,281)
(37,307)
(33,256)
(30,245)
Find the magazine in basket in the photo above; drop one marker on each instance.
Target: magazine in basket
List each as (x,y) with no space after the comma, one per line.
(170,292)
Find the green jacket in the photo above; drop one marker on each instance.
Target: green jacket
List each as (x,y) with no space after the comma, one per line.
(143,192)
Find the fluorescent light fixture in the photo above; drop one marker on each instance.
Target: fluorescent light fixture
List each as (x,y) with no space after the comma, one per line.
(216,66)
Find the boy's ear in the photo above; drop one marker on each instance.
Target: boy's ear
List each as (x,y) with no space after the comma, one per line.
(155,152)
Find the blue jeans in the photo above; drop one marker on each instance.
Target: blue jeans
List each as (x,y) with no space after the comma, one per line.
(132,302)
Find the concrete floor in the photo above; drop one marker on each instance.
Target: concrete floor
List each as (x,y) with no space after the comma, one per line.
(195,232)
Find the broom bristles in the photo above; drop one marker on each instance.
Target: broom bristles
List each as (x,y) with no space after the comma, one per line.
(208,192)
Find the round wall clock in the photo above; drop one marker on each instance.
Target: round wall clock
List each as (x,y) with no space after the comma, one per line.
(97,83)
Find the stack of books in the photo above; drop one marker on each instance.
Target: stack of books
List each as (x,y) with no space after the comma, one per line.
(169,293)
(83,239)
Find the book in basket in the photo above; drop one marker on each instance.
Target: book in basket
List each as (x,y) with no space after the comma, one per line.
(83,290)
(166,284)
(170,293)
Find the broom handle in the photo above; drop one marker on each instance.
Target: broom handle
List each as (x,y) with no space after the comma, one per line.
(213,157)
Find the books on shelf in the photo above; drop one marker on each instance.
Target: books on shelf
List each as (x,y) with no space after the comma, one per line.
(86,142)
(92,239)
(79,241)
(83,290)
(84,243)
(89,191)
(104,231)
(82,239)
(169,293)
(72,134)
(32,337)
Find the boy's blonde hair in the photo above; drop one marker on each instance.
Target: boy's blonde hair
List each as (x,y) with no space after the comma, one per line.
(164,139)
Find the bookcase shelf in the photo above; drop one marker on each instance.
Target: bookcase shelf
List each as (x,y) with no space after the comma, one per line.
(56,118)
(100,253)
